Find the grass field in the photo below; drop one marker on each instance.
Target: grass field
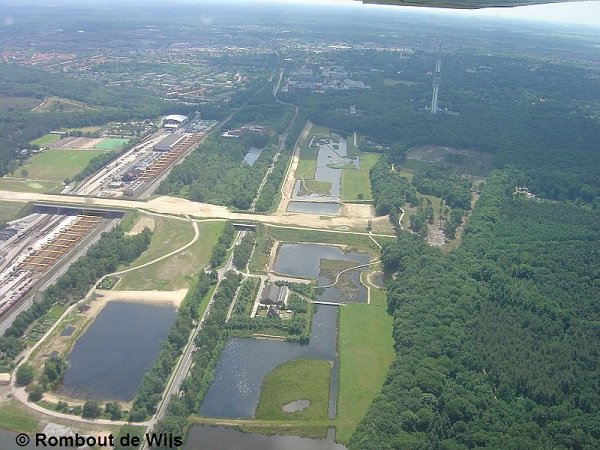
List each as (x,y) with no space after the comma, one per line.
(176,271)
(56,104)
(56,165)
(357,241)
(365,348)
(299,379)
(307,163)
(9,103)
(319,187)
(49,187)
(46,140)
(356,181)
(111,144)
(15,417)
(10,210)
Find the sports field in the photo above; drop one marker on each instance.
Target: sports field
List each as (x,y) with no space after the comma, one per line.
(111,144)
(56,165)
(46,140)
(18,185)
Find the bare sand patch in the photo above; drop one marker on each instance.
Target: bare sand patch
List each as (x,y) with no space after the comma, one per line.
(142,222)
(152,297)
(357,210)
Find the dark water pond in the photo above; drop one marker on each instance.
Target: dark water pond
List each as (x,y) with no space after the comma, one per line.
(109,360)
(326,209)
(252,155)
(208,438)
(244,363)
(303,260)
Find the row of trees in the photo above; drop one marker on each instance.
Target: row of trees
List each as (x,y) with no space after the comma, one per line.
(219,251)
(243,251)
(496,342)
(153,384)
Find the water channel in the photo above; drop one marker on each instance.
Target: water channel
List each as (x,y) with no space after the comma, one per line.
(208,438)
(109,360)
(245,362)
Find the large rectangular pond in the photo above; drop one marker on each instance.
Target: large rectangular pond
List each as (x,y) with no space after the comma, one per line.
(244,363)
(305,260)
(110,359)
(209,438)
(322,208)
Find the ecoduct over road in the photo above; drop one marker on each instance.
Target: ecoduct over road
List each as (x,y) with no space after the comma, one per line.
(177,206)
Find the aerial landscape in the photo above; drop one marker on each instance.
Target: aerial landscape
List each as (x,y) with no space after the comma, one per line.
(297,226)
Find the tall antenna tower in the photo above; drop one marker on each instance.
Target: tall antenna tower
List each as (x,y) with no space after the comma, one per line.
(437,77)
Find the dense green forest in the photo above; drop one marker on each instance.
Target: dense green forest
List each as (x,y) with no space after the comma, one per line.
(215,173)
(497,343)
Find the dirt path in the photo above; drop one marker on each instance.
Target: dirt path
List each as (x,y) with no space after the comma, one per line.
(142,222)
(287,187)
(154,261)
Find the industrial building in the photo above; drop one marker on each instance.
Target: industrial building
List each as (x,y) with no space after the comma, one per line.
(174,121)
(168,143)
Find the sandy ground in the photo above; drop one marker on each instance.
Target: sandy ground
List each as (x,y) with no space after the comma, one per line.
(287,188)
(153,297)
(357,210)
(142,222)
(179,206)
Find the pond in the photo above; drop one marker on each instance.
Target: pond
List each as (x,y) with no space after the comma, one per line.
(109,360)
(208,438)
(323,208)
(252,155)
(306,260)
(244,363)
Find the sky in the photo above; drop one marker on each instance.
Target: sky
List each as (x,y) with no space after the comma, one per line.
(579,13)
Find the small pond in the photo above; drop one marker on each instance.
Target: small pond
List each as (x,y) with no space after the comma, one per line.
(252,155)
